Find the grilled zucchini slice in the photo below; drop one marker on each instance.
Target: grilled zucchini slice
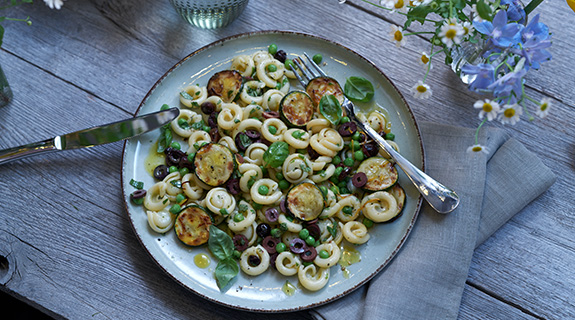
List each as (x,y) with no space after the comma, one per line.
(225,84)
(320,86)
(305,201)
(381,174)
(296,109)
(214,164)
(192,226)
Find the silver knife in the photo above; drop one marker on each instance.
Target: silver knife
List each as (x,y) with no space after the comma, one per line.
(90,137)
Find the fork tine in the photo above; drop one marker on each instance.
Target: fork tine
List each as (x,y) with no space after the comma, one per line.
(305,71)
(299,78)
(316,67)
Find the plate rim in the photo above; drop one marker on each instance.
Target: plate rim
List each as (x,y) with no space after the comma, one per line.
(311,305)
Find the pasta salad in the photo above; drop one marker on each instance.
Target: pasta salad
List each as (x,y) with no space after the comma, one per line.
(269,175)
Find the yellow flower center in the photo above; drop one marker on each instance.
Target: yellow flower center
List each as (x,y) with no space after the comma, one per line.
(477,149)
(487,107)
(544,107)
(421,88)
(450,34)
(509,113)
(399,4)
(424,59)
(465,30)
(398,36)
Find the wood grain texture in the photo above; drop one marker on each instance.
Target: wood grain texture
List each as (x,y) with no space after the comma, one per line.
(64,230)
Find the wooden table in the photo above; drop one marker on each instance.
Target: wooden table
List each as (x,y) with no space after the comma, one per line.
(66,244)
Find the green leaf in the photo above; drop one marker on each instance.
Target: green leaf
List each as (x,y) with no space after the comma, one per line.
(330,108)
(358,89)
(226,271)
(220,243)
(484,10)
(137,184)
(165,138)
(418,13)
(276,154)
(186,95)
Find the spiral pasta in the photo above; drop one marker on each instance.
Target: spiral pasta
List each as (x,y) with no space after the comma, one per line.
(327,142)
(379,206)
(254,270)
(187,116)
(287,263)
(312,277)
(271,99)
(355,232)
(272,196)
(296,168)
(273,129)
(270,78)
(160,221)
(193,96)
(244,64)
(230,116)
(332,248)
(218,200)
(156,198)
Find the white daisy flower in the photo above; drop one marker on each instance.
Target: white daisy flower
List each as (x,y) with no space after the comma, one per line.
(451,33)
(477,148)
(421,91)
(488,107)
(543,108)
(467,29)
(400,5)
(54,4)
(397,36)
(510,113)
(425,61)
(387,3)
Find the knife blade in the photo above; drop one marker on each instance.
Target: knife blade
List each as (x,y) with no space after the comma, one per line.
(108,133)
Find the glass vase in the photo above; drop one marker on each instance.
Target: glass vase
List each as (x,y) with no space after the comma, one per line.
(467,53)
(5,91)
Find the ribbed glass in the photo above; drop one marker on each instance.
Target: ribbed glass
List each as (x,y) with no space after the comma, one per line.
(210,14)
(5,91)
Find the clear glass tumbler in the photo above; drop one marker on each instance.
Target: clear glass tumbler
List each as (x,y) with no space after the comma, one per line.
(209,14)
(5,91)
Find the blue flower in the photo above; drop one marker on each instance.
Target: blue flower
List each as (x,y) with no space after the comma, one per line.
(501,33)
(535,38)
(485,75)
(510,85)
(515,11)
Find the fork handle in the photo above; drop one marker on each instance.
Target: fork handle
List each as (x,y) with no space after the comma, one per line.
(441,198)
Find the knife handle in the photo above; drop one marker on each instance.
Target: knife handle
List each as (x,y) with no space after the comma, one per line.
(27,150)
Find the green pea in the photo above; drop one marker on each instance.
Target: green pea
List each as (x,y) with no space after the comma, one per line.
(175,209)
(207,129)
(390,136)
(164,107)
(272,68)
(251,183)
(323,190)
(317,58)
(281,247)
(138,201)
(256,205)
(348,162)
(279,176)
(358,155)
(344,191)
(176,145)
(263,190)
(191,157)
(347,210)
(284,184)
(368,223)
(182,123)
(338,171)
(273,48)
(272,129)
(184,171)
(356,136)
(323,254)
(354,145)
(336,160)
(238,217)
(276,233)
(304,234)
(172,169)
(180,198)
(344,120)
(310,241)
(334,179)
(334,189)
(342,184)
(289,64)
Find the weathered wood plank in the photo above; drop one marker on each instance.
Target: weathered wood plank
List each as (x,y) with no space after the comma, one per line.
(476,304)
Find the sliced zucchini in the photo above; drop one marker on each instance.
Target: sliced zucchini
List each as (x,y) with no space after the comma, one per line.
(225,84)
(305,201)
(381,174)
(296,109)
(399,194)
(320,86)
(214,164)
(192,226)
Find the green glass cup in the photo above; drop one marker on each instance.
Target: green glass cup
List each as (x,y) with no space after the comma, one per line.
(209,14)
(5,91)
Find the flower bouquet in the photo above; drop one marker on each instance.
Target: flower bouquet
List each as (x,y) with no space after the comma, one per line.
(491,45)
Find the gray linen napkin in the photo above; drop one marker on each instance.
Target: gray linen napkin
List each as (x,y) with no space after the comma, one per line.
(427,277)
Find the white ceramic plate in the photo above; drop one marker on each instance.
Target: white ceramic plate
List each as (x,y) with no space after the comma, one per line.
(264,293)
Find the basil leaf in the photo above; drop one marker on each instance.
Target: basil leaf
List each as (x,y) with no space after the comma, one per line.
(226,271)
(165,138)
(330,108)
(220,243)
(276,154)
(137,184)
(358,89)
(484,10)
(186,95)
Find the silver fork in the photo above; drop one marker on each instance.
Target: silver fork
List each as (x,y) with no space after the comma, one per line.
(439,197)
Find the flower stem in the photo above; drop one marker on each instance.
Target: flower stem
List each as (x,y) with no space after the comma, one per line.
(477,131)
(532,5)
